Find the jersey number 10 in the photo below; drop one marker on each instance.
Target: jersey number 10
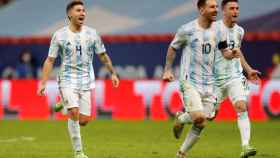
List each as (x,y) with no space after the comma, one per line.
(206,48)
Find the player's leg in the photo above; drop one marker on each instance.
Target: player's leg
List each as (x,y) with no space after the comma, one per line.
(71,101)
(194,108)
(182,118)
(213,102)
(238,96)
(199,122)
(85,107)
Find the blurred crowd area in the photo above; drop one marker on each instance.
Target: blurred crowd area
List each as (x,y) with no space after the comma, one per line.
(132,60)
(28,66)
(274,71)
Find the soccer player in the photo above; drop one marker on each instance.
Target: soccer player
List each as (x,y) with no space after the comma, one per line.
(228,74)
(76,45)
(198,39)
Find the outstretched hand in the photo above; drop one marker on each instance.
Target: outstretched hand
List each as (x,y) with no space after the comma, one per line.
(168,76)
(41,89)
(115,80)
(253,76)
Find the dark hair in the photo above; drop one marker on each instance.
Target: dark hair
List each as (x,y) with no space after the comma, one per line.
(201,3)
(72,4)
(26,51)
(224,2)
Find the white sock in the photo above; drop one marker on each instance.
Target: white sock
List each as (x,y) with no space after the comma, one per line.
(192,138)
(75,135)
(244,127)
(185,118)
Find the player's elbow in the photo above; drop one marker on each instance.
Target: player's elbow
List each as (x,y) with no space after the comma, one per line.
(50,60)
(83,122)
(171,50)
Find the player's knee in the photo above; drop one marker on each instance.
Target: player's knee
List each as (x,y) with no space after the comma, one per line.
(240,106)
(73,113)
(83,122)
(200,121)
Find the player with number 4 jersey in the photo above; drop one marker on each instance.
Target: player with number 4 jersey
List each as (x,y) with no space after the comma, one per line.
(76,45)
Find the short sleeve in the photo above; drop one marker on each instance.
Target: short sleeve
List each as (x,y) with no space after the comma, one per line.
(180,39)
(242,32)
(99,46)
(241,36)
(54,47)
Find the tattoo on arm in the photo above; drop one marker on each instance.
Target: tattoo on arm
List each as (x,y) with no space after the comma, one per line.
(105,59)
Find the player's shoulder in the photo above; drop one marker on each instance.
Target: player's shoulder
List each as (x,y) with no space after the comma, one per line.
(218,23)
(60,32)
(188,27)
(239,29)
(90,30)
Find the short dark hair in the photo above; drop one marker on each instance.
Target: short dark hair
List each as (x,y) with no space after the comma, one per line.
(201,3)
(72,4)
(225,2)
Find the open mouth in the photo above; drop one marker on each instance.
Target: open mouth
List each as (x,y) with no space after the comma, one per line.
(81,18)
(214,15)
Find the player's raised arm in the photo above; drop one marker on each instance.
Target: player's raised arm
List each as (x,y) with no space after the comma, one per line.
(105,59)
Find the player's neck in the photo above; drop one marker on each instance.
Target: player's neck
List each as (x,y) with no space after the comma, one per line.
(203,22)
(228,23)
(75,28)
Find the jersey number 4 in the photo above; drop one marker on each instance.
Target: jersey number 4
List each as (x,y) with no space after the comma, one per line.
(79,50)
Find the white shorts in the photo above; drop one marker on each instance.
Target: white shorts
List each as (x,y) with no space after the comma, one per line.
(195,100)
(77,98)
(236,90)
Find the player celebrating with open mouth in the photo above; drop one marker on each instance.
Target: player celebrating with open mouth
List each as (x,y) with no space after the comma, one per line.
(76,45)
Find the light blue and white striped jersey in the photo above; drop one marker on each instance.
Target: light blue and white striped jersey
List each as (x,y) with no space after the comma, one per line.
(226,70)
(76,51)
(197,60)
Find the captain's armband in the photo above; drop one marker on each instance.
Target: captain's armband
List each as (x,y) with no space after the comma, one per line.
(222,45)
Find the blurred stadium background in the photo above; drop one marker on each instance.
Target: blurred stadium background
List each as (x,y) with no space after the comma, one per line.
(136,35)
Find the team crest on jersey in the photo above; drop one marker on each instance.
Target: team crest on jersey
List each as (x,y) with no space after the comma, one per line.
(195,40)
(68,48)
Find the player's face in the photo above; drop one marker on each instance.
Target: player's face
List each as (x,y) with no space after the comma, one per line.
(231,11)
(77,15)
(210,10)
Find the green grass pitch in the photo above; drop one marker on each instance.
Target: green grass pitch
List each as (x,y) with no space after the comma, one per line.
(144,139)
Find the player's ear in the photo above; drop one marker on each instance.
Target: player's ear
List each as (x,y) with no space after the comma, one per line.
(69,16)
(201,10)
